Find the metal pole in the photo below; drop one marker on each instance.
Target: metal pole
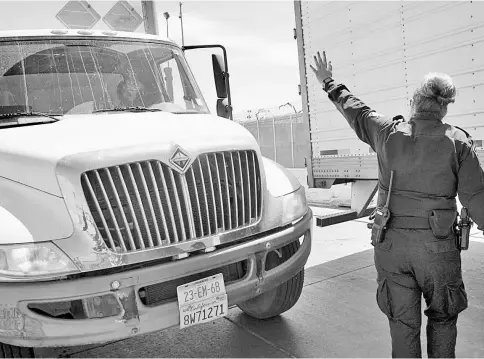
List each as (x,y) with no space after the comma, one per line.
(292,143)
(275,143)
(181,22)
(304,93)
(258,130)
(167,16)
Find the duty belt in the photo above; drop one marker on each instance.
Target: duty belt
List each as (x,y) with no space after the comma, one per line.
(406,222)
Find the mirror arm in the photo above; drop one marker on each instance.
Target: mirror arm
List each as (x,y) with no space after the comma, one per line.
(225,73)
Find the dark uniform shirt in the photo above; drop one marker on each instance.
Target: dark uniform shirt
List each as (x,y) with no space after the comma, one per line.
(433,161)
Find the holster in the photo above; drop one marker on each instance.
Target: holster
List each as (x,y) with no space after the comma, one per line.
(463,230)
(442,222)
(381,218)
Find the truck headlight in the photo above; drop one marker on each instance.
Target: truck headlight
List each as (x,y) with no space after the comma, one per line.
(33,261)
(294,206)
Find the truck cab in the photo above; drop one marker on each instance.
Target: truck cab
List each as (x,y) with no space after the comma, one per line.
(127,207)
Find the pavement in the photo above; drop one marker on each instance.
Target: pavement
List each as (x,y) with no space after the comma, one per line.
(336,315)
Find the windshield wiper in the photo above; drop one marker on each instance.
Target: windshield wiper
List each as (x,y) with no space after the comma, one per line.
(128,109)
(18,122)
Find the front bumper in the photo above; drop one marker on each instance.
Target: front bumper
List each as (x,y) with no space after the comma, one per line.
(19,325)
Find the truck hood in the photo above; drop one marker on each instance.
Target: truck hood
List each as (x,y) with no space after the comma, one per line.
(29,155)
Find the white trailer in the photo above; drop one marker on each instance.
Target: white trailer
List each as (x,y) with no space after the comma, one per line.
(381,51)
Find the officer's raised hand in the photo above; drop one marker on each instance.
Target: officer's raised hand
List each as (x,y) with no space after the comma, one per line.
(323,70)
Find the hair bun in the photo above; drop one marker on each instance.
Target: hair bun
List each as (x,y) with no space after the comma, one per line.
(444,100)
(440,87)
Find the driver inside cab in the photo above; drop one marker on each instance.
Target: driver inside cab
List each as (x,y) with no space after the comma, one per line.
(130,92)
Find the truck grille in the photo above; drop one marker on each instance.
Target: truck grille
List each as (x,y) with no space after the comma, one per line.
(147,204)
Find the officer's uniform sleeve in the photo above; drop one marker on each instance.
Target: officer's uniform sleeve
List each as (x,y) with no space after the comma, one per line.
(470,187)
(366,123)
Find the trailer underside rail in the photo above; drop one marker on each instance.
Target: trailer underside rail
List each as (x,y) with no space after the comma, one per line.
(340,216)
(327,169)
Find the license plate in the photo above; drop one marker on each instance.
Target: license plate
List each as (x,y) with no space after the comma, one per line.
(202,301)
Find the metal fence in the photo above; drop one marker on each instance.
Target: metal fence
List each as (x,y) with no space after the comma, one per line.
(283,138)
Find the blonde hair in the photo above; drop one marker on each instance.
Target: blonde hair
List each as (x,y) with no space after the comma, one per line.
(434,94)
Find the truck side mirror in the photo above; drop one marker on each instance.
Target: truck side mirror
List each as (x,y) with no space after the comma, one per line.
(223,108)
(219,75)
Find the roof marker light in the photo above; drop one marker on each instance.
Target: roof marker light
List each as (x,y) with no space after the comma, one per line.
(59,32)
(85,32)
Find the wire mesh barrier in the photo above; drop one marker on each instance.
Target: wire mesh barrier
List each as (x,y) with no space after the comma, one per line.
(282,138)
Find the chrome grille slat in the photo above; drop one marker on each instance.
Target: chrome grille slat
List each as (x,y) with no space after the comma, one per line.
(227,190)
(188,207)
(220,192)
(111,211)
(150,206)
(202,231)
(242,191)
(142,210)
(220,196)
(256,186)
(235,190)
(207,217)
(212,189)
(158,201)
(130,206)
(147,204)
(99,210)
(178,206)
(121,211)
(167,196)
(248,184)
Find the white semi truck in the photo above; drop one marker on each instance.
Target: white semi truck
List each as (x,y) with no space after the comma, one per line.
(126,207)
(381,50)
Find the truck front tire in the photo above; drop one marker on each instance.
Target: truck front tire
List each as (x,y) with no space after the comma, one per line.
(12,351)
(282,298)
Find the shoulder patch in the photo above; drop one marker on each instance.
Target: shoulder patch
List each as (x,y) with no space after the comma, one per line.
(470,141)
(465,132)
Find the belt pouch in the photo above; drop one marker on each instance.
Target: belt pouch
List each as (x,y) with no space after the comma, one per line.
(442,221)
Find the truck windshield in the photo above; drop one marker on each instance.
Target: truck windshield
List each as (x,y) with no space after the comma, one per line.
(73,76)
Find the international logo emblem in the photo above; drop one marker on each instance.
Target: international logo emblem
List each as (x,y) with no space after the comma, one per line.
(180,160)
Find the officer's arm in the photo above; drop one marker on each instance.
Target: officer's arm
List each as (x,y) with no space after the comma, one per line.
(471,183)
(366,123)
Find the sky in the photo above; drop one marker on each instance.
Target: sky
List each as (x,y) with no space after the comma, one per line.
(261,50)
(258,37)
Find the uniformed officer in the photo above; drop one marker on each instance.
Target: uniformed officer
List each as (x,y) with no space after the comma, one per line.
(432,163)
